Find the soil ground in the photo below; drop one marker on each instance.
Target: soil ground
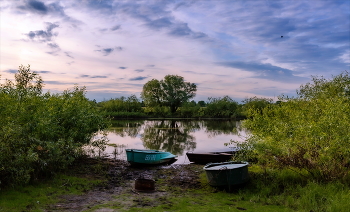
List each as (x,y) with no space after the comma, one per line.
(118,190)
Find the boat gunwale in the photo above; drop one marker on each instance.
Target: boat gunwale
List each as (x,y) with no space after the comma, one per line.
(215,166)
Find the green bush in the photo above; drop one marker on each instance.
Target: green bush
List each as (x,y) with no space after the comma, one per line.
(158,111)
(309,132)
(254,104)
(221,108)
(42,133)
(122,104)
(188,110)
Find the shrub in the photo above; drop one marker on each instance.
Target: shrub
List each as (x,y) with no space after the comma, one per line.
(221,108)
(309,132)
(122,104)
(42,132)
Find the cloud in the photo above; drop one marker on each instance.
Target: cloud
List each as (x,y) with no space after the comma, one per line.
(183,4)
(138,78)
(94,76)
(12,71)
(68,55)
(43,72)
(139,70)
(121,67)
(158,16)
(43,35)
(264,70)
(201,73)
(108,51)
(57,82)
(103,6)
(53,53)
(42,9)
(159,23)
(116,27)
(35,7)
(53,45)
(313,32)
(176,28)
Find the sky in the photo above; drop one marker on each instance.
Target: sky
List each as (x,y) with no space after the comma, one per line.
(235,48)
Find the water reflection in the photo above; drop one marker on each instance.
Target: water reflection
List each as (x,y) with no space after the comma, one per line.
(125,128)
(175,136)
(219,127)
(170,136)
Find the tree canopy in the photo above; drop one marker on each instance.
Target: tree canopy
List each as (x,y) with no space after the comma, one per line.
(172,92)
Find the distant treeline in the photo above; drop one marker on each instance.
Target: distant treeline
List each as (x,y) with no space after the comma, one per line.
(221,107)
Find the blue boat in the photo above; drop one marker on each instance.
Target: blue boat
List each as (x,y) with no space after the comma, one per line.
(227,174)
(149,157)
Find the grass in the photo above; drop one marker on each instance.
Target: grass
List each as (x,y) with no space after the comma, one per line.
(33,197)
(287,188)
(203,198)
(78,179)
(268,190)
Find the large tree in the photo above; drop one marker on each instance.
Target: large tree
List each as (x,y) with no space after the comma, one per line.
(172,91)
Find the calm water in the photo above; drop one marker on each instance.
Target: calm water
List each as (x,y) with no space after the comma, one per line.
(177,137)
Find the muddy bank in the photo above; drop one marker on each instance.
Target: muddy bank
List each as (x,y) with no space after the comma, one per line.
(118,190)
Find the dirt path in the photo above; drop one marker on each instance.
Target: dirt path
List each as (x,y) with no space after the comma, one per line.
(119,192)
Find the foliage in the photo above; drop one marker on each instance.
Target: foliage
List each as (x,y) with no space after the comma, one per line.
(224,107)
(122,104)
(309,132)
(172,92)
(202,103)
(189,110)
(123,107)
(254,104)
(300,193)
(157,111)
(42,133)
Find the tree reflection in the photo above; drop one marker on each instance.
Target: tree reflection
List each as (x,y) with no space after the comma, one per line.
(170,135)
(125,128)
(219,127)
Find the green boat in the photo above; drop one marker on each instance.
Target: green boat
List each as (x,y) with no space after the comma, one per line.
(227,174)
(149,157)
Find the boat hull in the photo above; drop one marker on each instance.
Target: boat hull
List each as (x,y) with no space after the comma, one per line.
(149,157)
(209,157)
(227,174)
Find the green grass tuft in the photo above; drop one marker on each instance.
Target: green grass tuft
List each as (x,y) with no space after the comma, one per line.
(35,196)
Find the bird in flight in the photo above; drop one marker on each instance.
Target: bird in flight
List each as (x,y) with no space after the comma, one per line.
(281,36)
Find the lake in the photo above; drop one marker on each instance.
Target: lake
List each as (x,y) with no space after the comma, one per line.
(175,136)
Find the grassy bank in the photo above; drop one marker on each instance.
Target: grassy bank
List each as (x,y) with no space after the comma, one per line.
(78,179)
(178,188)
(267,191)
